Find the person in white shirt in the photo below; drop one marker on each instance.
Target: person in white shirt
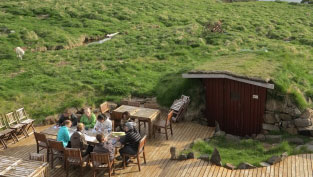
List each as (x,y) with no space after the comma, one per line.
(103,124)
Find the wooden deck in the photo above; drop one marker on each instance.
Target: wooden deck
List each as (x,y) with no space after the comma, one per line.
(159,164)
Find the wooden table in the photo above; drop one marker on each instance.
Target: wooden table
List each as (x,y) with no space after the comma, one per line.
(143,114)
(11,166)
(90,135)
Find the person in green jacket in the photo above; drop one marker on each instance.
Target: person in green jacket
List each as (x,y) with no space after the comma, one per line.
(88,119)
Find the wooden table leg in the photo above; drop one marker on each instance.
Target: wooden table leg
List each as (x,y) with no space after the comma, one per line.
(150,128)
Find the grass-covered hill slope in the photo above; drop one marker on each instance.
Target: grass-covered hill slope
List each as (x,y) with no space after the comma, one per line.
(158,41)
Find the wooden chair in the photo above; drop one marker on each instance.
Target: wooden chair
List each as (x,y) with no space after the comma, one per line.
(124,102)
(151,105)
(104,107)
(42,142)
(102,161)
(13,124)
(116,118)
(141,149)
(57,151)
(73,156)
(24,119)
(6,133)
(134,103)
(165,124)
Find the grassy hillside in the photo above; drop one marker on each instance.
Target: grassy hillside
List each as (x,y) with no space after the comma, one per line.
(158,41)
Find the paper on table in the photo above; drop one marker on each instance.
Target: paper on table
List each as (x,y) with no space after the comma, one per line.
(90,138)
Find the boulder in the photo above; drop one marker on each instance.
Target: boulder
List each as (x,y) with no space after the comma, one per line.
(284,155)
(302,122)
(232,138)
(274,159)
(297,112)
(273,138)
(274,105)
(220,133)
(285,124)
(217,127)
(307,114)
(173,153)
(182,157)
(230,166)
(245,165)
(295,140)
(190,155)
(292,131)
(260,137)
(51,120)
(264,164)
(205,157)
(285,117)
(269,118)
(216,158)
(207,140)
(306,146)
(270,127)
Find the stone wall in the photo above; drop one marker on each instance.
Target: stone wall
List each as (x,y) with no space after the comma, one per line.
(284,115)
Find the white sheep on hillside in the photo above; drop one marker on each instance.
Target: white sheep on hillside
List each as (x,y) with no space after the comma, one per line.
(19,52)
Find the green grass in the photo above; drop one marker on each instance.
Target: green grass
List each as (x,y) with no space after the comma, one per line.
(248,150)
(158,41)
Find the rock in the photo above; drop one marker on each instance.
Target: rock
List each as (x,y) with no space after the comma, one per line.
(216,158)
(173,153)
(284,155)
(245,165)
(273,105)
(306,146)
(260,137)
(270,127)
(285,117)
(182,157)
(220,133)
(295,140)
(302,122)
(232,138)
(277,118)
(307,114)
(274,159)
(253,136)
(273,138)
(297,112)
(269,118)
(205,157)
(217,127)
(309,128)
(190,155)
(285,124)
(51,120)
(264,164)
(230,166)
(207,140)
(292,131)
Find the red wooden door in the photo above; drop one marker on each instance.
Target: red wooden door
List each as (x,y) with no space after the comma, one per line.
(237,107)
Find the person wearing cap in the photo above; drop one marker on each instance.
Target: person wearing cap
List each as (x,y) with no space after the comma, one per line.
(78,140)
(104,146)
(130,140)
(88,119)
(67,115)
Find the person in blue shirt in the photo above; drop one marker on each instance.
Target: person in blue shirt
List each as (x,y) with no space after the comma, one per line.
(64,134)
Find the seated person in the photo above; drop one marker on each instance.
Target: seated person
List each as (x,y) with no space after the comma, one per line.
(130,140)
(63,133)
(104,146)
(78,140)
(88,119)
(103,124)
(67,115)
(125,118)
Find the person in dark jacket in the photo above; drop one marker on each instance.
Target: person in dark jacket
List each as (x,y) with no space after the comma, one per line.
(130,140)
(78,140)
(67,115)
(104,146)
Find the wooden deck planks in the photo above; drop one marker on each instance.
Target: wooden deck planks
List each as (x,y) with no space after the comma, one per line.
(159,163)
